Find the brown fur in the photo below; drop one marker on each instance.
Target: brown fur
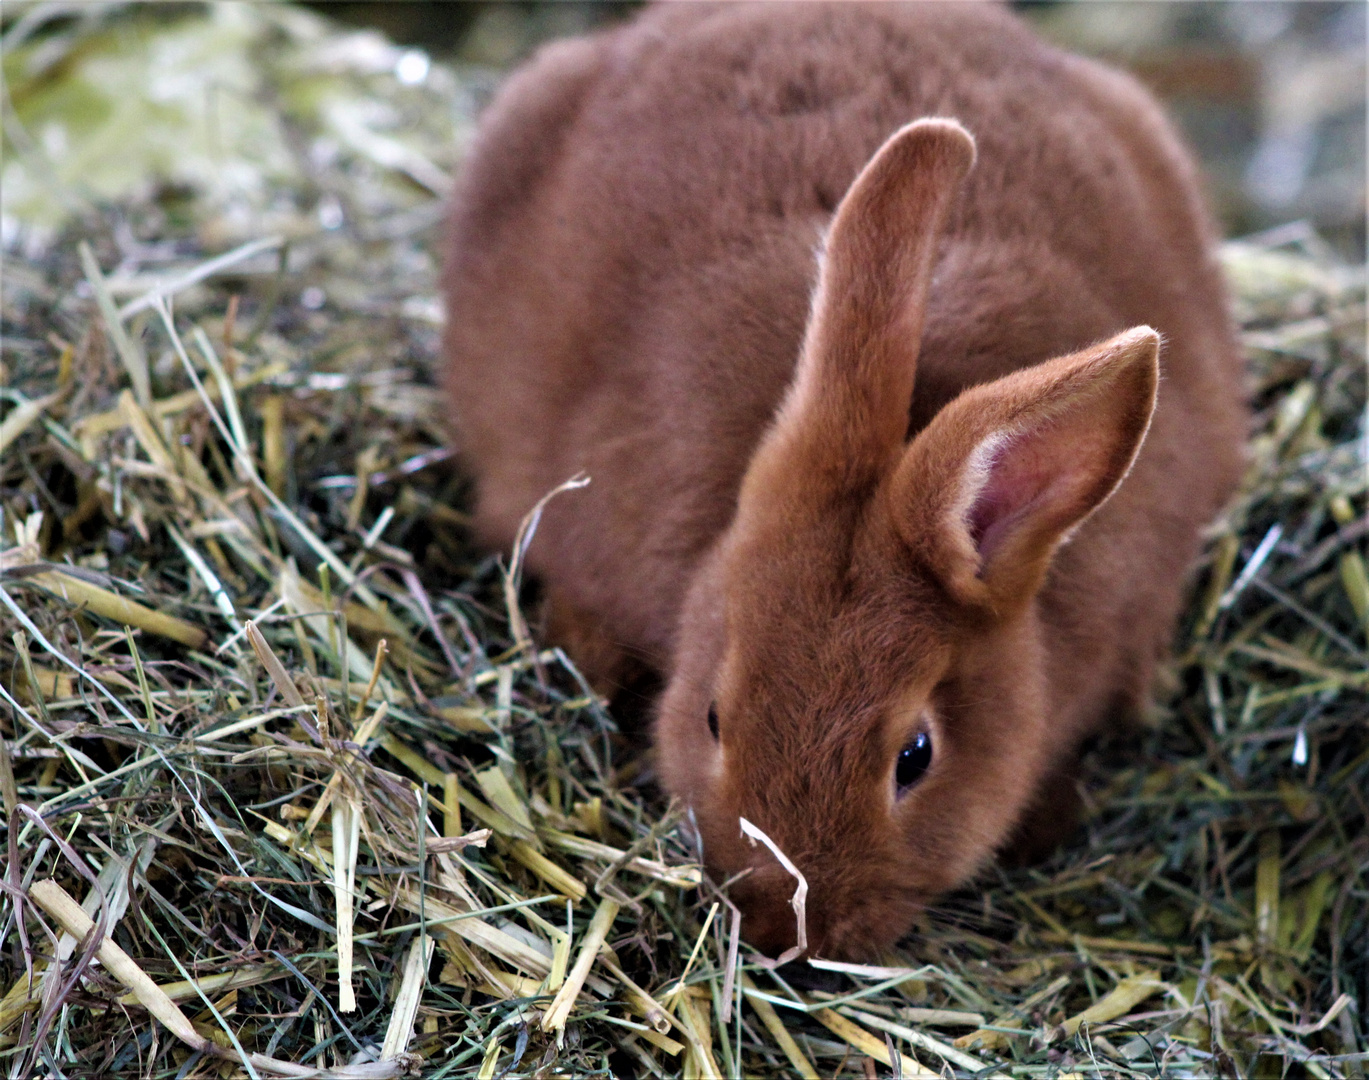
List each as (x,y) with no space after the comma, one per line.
(832,495)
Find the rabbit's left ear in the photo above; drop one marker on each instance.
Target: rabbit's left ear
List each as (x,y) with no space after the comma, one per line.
(846,412)
(990,488)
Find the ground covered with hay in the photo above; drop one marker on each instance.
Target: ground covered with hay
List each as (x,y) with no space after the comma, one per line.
(290,789)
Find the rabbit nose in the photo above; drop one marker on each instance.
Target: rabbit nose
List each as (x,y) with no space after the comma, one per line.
(769,921)
(771,929)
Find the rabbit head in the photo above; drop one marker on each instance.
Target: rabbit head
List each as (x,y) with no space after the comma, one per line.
(859,670)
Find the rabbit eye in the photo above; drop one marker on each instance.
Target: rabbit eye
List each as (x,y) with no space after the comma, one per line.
(913,762)
(713,720)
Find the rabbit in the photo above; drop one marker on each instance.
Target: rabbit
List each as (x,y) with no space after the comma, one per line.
(893,343)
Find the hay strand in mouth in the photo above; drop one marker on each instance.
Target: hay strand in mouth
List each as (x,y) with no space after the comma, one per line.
(799,901)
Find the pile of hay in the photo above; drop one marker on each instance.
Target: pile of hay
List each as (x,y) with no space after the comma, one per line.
(282,737)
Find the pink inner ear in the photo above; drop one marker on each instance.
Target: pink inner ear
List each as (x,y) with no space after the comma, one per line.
(1018,479)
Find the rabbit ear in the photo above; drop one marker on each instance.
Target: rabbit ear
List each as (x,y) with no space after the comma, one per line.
(999,478)
(847,409)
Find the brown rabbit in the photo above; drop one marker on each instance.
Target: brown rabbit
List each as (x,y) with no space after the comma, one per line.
(861,499)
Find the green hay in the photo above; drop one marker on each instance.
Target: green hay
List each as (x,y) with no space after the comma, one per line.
(285,468)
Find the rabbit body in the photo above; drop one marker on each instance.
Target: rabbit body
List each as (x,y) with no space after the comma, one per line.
(847,417)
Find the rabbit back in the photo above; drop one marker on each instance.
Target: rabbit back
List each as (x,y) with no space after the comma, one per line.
(630,260)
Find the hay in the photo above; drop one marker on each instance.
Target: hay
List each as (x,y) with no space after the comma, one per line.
(274,729)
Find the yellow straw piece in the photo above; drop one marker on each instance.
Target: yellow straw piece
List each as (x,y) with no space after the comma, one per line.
(191,989)
(1267,891)
(694,1024)
(776,1027)
(559,1011)
(272,410)
(346,834)
(490,1061)
(1119,1001)
(502,797)
(420,766)
(451,804)
(344,762)
(401,1029)
(927,1042)
(58,903)
(642,1003)
(560,960)
(268,659)
(117,609)
(662,1042)
(18,421)
(476,931)
(856,1036)
(152,444)
(561,880)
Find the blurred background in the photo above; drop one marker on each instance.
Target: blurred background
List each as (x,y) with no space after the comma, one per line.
(1271,93)
(234,120)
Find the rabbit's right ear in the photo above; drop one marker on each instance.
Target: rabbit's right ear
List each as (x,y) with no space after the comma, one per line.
(847,410)
(997,481)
